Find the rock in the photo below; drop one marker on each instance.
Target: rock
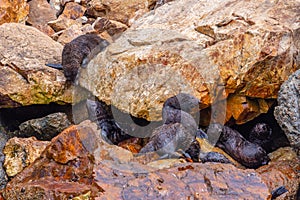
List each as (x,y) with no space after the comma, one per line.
(118,10)
(283,170)
(78,163)
(62,23)
(211,50)
(40,14)
(74,31)
(64,170)
(184,181)
(113,28)
(13,11)
(44,128)
(287,113)
(25,78)
(3,139)
(55,4)
(21,152)
(73,10)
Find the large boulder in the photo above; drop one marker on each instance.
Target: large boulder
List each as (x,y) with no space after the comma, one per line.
(287,113)
(25,79)
(78,163)
(243,50)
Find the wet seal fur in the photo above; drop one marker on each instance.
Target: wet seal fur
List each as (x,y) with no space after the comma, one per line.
(179,128)
(78,53)
(232,142)
(101,113)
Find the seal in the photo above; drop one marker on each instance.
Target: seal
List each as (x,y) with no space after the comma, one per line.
(261,134)
(179,128)
(78,53)
(101,113)
(232,142)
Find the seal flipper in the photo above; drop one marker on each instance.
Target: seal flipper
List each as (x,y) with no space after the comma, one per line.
(55,66)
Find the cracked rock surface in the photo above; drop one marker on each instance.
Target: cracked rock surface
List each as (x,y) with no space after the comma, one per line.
(25,79)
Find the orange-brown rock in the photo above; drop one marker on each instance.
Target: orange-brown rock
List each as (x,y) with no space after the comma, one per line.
(77,163)
(182,181)
(40,13)
(25,79)
(118,10)
(21,152)
(13,11)
(283,170)
(64,170)
(73,10)
(210,49)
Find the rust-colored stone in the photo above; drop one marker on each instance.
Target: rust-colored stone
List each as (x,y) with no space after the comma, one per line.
(283,170)
(182,181)
(13,11)
(64,170)
(73,10)
(78,164)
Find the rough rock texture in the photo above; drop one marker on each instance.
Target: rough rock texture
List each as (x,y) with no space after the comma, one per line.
(21,152)
(3,139)
(78,163)
(210,49)
(13,11)
(64,170)
(287,113)
(40,14)
(73,10)
(44,128)
(25,79)
(283,170)
(124,11)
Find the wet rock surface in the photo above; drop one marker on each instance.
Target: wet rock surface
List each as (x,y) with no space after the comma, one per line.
(287,112)
(65,170)
(237,41)
(283,170)
(44,128)
(25,79)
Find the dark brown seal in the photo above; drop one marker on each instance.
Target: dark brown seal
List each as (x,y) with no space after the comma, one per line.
(78,53)
(101,113)
(232,142)
(179,128)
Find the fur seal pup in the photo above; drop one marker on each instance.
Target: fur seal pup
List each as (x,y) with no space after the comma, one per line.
(78,53)
(232,142)
(179,128)
(261,134)
(101,113)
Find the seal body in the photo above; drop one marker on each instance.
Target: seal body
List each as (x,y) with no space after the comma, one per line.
(79,52)
(179,128)
(248,154)
(101,113)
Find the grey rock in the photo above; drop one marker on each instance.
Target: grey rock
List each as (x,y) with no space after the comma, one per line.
(44,128)
(3,176)
(287,113)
